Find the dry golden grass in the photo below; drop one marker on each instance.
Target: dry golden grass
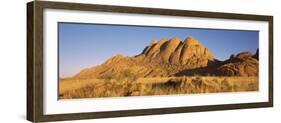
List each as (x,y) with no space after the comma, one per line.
(72,84)
(93,88)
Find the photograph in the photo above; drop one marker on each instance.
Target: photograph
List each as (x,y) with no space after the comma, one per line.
(88,60)
(106,60)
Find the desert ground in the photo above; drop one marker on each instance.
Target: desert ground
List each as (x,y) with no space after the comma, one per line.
(93,88)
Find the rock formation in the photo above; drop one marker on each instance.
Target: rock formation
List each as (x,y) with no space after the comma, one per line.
(190,52)
(173,57)
(243,64)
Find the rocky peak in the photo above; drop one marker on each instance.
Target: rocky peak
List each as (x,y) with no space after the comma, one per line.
(115,59)
(244,55)
(175,39)
(194,53)
(191,41)
(167,49)
(154,41)
(189,52)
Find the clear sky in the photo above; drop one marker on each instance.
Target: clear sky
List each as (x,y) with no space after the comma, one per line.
(87,45)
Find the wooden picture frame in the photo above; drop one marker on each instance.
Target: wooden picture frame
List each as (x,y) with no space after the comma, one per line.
(35,62)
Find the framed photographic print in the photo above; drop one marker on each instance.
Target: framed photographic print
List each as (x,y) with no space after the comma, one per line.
(96,61)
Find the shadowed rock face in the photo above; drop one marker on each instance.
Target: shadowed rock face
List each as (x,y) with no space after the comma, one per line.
(154,48)
(167,49)
(257,54)
(243,64)
(173,57)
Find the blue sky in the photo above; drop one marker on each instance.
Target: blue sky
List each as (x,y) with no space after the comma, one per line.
(87,45)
